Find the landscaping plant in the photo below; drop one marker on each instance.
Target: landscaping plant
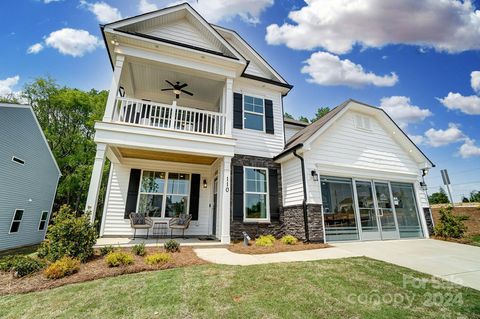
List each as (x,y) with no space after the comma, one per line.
(157,258)
(105,250)
(69,235)
(119,258)
(450,226)
(265,240)
(289,240)
(139,249)
(63,267)
(172,246)
(21,265)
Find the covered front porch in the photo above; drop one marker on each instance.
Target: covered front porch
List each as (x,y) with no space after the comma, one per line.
(200,241)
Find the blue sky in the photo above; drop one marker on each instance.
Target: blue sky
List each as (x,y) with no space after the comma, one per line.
(406,59)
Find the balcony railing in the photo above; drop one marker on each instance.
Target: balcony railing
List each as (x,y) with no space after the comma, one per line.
(170,117)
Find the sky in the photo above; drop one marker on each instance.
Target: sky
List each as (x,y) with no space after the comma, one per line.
(419,60)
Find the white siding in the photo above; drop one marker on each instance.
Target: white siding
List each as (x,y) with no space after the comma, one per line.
(251,142)
(181,31)
(116,225)
(292,182)
(358,153)
(291,130)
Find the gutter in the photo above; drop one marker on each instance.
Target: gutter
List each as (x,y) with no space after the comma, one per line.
(305,214)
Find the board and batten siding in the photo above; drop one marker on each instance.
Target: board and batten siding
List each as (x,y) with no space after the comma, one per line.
(114,223)
(256,143)
(344,150)
(31,186)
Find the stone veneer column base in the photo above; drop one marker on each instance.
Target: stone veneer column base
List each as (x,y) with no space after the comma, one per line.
(293,223)
(427,212)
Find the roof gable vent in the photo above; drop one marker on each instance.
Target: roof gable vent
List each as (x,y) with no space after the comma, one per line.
(362,122)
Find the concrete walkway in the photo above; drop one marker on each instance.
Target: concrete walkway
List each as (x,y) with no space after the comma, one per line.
(453,262)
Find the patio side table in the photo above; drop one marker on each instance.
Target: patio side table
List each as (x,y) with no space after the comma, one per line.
(160,229)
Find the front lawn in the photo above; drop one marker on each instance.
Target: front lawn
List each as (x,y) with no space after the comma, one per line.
(342,288)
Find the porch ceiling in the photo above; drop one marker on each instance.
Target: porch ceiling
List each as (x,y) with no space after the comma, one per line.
(166,156)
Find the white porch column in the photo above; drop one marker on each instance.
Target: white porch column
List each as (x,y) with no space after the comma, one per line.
(96,180)
(112,94)
(228,102)
(225,188)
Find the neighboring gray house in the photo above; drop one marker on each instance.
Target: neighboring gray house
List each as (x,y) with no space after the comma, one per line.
(28,178)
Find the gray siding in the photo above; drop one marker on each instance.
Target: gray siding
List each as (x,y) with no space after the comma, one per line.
(36,180)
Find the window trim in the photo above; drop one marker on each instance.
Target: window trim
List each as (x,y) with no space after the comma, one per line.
(13,220)
(252,112)
(164,192)
(267,195)
(41,214)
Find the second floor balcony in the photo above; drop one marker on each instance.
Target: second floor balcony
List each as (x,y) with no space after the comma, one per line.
(168,117)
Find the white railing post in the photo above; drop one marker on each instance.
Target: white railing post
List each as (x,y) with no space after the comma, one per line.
(228,106)
(95,181)
(112,94)
(173,115)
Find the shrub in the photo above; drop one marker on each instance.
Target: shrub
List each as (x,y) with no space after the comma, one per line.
(139,249)
(266,240)
(63,267)
(115,259)
(289,240)
(21,265)
(172,246)
(69,235)
(450,226)
(105,250)
(158,258)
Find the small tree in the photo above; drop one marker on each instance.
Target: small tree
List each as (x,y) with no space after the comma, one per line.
(288,116)
(69,235)
(450,226)
(465,200)
(321,112)
(303,119)
(439,198)
(475,196)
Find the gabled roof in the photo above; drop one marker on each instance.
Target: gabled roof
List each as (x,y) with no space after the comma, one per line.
(24,106)
(306,134)
(294,122)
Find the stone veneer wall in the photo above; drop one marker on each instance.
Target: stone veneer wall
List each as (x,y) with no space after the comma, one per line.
(257,229)
(427,212)
(294,223)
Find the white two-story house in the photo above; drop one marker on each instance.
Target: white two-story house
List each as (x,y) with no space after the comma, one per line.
(194,124)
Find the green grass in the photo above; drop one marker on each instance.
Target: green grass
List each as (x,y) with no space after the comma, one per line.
(318,289)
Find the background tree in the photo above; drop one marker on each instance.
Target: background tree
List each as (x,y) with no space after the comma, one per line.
(475,196)
(439,198)
(9,98)
(321,111)
(465,200)
(303,119)
(288,116)
(67,117)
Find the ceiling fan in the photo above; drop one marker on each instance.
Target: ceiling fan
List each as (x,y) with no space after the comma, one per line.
(177,88)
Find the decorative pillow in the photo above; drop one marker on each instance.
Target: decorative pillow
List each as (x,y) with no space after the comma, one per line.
(181,219)
(138,219)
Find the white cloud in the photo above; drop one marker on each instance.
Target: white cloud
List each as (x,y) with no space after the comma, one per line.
(337,25)
(475,81)
(35,48)
(6,85)
(145,6)
(103,11)
(441,137)
(72,42)
(402,111)
(417,139)
(327,69)
(466,104)
(469,149)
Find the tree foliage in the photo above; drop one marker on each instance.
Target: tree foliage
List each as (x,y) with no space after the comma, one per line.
(475,196)
(67,117)
(303,119)
(439,198)
(321,112)
(288,116)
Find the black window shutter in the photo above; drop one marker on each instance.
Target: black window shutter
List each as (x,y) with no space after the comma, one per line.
(269,117)
(237,110)
(194,196)
(238,192)
(273,193)
(132,194)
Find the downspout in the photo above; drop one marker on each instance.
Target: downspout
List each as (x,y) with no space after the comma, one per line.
(305,215)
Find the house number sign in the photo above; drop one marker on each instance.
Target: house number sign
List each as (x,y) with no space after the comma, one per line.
(227,186)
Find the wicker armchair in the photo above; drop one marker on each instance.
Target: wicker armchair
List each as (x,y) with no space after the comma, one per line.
(181,222)
(139,221)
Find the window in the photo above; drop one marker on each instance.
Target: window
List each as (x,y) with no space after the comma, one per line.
(256,194)
(17,218)
(253,113)
(43,220)
(163,194)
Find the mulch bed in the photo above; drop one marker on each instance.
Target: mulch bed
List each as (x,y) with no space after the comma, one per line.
(277,247)
(94,269)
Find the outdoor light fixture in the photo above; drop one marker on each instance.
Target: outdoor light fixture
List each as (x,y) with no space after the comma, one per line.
(315,176)
(424,172)
(114,41)
(204,183)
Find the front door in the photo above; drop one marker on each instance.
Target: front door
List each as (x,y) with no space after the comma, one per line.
(375,210)
(215,196)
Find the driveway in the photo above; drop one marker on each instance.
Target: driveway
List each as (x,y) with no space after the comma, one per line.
(454,262)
